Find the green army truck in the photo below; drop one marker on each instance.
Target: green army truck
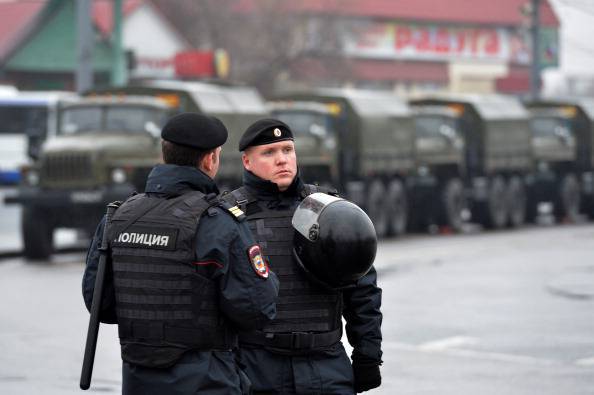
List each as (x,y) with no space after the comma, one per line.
(497,148)
(103,151)
(108,142)
(563,144)
(436,189)
(365,143)
(237,106)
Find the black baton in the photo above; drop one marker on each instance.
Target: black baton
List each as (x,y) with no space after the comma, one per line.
(93,331)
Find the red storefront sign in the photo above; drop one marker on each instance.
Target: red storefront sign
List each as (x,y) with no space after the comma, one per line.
(197,64)
(430,42)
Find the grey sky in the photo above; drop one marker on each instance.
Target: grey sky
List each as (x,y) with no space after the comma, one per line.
(577,35)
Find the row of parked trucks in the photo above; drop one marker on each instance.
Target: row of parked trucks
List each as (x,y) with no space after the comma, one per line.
(434,160)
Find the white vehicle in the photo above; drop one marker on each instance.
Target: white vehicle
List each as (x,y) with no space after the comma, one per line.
(26,119)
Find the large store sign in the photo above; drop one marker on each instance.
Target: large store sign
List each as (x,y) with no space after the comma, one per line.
(430,42)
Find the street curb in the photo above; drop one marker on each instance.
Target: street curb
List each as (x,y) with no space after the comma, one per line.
(19,254)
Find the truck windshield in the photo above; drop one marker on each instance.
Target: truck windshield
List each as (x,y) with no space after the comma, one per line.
(550,127)
(307,122)
(121,118)
(435,126)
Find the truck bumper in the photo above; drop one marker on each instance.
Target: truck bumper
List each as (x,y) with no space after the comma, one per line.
(78,208)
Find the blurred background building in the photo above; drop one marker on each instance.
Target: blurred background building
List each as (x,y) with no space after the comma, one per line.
(406,46)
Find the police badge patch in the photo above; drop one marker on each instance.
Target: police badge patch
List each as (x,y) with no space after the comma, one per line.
(257,261)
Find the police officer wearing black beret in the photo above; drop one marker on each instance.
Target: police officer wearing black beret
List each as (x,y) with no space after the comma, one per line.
(301,350)
(185,273)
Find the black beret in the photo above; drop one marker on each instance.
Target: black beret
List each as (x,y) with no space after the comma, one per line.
(265,131)
(195,130)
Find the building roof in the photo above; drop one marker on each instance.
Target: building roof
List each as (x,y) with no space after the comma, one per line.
(103,13)
(16,20)
(501,12)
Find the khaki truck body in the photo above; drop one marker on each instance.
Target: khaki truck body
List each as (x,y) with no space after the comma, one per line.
(563,143)
(108,142)
(236,106)
(365,145)
(103,150)
(497,141)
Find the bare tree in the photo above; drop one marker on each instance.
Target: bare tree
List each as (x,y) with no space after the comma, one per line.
(265,39)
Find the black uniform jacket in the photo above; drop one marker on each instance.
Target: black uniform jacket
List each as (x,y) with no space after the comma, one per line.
(245,298)
(361,312)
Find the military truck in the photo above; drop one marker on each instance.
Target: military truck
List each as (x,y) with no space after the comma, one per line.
(436,189)
(237,106)
(365,143)
(103,151)
(563,140)
(497,154)
(108,143)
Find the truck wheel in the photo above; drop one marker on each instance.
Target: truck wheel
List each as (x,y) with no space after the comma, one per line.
(37,234)
(516,197)
(567,203)
(493,212)
(451,205)
(397,208)
(376,207)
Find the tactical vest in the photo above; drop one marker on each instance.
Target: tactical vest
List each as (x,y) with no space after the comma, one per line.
(165,305)
(302,305)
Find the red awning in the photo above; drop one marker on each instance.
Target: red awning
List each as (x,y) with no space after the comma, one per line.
(516,81)
(16,18)
(495,12)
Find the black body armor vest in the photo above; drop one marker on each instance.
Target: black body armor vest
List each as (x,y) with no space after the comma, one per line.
(302,305)
(165,305)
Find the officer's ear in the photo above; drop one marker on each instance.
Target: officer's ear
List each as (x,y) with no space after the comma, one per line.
(209,162)
(245,158)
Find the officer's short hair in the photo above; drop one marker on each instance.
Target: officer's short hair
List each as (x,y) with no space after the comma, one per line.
(182,155)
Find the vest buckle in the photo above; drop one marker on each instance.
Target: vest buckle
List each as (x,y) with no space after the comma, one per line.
(302,340)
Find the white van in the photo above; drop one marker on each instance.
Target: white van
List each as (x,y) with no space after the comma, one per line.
(26,119)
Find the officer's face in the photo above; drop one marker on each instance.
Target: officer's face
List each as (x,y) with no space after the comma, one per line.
(275,162)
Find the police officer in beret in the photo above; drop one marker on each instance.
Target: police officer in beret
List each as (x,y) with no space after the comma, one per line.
(185,272)
(300,351)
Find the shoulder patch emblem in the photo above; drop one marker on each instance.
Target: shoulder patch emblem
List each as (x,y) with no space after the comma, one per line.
(257,261)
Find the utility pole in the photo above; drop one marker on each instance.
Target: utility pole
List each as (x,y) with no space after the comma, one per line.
(535,38)
(118,68)
(84,46)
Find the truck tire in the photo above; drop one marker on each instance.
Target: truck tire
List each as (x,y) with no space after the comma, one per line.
(397,208)
(451,205)
(516,197)
(37,234)
(567,203)
(492,214)
(377,208)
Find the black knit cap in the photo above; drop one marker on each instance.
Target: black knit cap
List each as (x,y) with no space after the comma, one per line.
(195,130)
(265,131)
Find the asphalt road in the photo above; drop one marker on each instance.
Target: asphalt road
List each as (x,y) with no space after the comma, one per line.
(485,313)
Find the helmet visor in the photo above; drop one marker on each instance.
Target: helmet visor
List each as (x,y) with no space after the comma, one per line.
(309,210)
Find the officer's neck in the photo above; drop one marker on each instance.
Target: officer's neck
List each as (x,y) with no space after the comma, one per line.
(264,187)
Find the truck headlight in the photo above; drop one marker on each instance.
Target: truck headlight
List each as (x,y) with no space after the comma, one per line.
(32,177)
(543,166)
(423,171)
(118,176)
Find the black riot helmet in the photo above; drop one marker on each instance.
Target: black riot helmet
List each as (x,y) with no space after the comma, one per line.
(335,241)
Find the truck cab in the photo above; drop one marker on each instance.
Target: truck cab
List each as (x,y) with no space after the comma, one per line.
(104,148)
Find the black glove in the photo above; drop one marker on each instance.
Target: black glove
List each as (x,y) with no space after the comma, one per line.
(367,376)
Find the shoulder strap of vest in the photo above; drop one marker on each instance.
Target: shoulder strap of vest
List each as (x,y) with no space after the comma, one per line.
(239,197)
(122,228)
